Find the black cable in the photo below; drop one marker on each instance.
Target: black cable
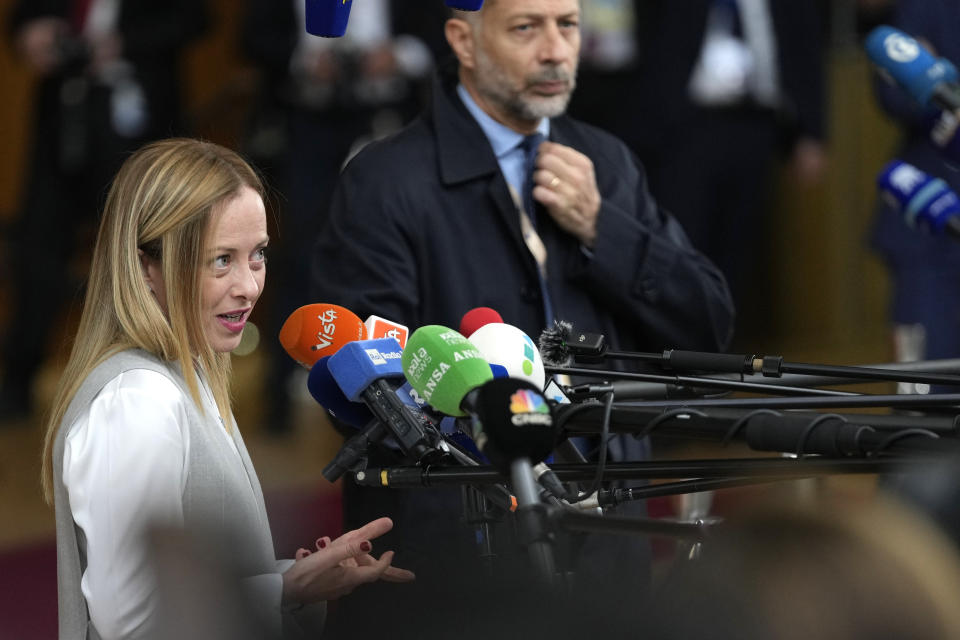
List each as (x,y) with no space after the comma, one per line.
(897,435)
(602,457)
(742,422)
(805,434)
(667,415)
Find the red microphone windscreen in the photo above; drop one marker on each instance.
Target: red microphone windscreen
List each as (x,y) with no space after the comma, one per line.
(476,318)
(317,330)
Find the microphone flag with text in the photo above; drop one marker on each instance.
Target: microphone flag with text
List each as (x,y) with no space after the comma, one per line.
(443,367)
(928,80)
(510,352)
(363,369)
(330,396)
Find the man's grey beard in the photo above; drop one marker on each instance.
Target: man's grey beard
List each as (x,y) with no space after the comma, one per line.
(493,85)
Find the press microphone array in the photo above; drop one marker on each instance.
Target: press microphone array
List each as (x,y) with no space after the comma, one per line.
(563,343)
(352,377)
(481,409)
(329,18)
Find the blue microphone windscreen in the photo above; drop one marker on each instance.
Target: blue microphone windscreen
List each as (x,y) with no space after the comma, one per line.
(358,364)
(328,394)
(922,199)
(910,65)
(327,18)
(466,5)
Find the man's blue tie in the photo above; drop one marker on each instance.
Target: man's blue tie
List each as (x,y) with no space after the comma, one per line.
(530,144)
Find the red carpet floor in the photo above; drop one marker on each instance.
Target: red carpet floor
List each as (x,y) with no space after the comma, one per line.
(28,574)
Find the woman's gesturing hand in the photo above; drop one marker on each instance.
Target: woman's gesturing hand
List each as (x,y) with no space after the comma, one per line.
(337,567)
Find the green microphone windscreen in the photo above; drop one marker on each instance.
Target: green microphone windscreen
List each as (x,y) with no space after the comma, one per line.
(442,367)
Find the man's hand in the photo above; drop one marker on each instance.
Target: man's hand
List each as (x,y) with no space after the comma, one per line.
(565,184)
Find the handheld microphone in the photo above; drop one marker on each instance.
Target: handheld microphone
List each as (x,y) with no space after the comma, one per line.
(362,369)
(924,201)
(327,18)
(900,58)
(511,419)
(317,330)
(476,318)
(510,352)
(327,393)
(443,367)
(514,426)
(465,5)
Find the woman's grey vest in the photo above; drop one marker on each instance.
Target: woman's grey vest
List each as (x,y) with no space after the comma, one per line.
(222,496)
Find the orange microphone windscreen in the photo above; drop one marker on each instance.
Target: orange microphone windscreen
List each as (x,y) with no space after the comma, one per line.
(317,330)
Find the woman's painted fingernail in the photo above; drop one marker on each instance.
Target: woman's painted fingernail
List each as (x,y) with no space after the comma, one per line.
(321,543)
(365,546)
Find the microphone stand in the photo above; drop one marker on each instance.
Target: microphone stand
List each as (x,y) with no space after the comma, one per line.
(532,521)
(478,512)
(764,469)
(901,401)
(678,380)
(769,366)
(947,365)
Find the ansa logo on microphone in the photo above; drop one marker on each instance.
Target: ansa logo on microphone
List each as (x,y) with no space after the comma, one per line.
(529,408)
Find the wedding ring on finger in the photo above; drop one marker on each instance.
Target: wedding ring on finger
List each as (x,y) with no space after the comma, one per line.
(554,182)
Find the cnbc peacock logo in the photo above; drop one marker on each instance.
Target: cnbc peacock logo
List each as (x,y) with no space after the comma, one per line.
(528,351)
(529,407)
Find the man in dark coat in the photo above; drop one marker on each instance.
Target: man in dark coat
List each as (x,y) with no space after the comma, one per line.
(430,223)
(423,228)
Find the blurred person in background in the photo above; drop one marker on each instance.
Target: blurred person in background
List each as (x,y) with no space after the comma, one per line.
(924,268)
(319,100)
(723,90)
(142,437)
(839,571)
(108,80)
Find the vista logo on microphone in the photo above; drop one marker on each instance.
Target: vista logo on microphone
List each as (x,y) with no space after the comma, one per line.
(328,327)
(529,408)
(901,48)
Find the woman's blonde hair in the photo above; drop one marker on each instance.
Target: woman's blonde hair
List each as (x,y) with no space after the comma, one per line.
(160,203)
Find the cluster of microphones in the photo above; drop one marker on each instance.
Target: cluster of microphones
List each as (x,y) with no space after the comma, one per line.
(437,394)
(925,201)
